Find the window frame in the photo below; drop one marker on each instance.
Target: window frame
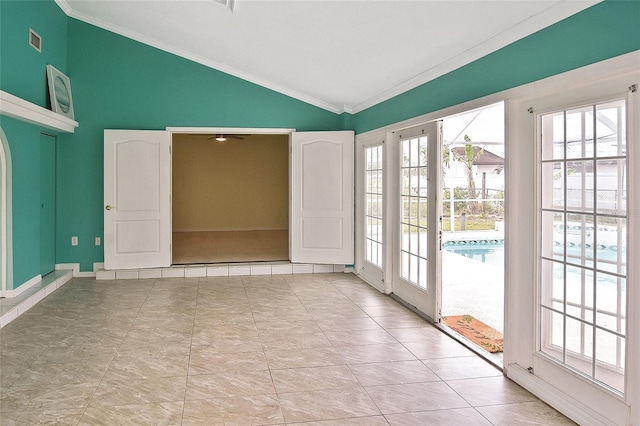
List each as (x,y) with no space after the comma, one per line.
(561,355)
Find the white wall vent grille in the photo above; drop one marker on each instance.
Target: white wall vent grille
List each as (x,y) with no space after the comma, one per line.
(35,40)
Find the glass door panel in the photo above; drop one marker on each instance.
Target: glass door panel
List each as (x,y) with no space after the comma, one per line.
(374,208)
(371,250)
(417,277)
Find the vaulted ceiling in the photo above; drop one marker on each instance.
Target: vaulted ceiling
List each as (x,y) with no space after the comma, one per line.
(336,54)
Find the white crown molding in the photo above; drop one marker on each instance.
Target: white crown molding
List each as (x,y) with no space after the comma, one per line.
(15,107)
(230,130)
(515,32)
(203,61)
(510,35)
(623,64)
(62,4)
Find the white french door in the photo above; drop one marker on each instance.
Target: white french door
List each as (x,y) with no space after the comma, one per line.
(137,191)
(417,238)
(371,229)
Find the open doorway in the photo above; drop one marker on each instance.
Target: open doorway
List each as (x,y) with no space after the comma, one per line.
(473,225)
(230,198)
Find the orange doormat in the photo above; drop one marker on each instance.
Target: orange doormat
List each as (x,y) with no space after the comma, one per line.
(478,332)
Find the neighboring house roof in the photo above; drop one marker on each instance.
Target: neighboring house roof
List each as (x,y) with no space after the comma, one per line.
(486,158)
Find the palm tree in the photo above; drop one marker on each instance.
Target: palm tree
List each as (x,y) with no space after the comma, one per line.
(469,159)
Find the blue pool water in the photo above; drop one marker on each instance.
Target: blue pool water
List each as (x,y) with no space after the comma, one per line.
(490,252)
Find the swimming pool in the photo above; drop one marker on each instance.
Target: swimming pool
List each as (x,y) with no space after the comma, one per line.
(492,251)
(485,251)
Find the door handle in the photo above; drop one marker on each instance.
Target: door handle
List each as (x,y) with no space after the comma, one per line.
(108,207)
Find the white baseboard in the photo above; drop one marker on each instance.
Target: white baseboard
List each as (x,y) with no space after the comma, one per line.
(221,270)
(561,401)
(49,284)
(23,287)
(75,267)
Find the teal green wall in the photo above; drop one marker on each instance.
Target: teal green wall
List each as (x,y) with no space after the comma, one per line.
(47,203)
(23,69)
(24,142)
(608,29)
(118,83)
(23,74)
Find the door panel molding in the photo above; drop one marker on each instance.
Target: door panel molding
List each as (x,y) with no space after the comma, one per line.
(137,193)
(321,209)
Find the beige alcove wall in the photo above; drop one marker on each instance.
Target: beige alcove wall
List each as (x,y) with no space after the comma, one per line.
(239,184)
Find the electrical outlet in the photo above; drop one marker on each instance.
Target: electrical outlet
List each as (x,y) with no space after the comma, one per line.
(97,241)
(74,241)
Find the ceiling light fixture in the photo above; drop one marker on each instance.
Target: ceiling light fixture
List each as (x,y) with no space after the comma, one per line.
(221,138)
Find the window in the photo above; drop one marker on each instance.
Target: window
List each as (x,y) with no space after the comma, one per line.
(583,253)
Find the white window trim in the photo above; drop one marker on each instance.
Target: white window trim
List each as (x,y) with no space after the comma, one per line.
(577,397)
(600,101)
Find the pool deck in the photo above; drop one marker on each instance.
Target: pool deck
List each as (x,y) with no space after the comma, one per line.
(470,286)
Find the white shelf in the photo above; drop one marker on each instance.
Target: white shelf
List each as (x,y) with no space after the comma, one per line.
(15,107)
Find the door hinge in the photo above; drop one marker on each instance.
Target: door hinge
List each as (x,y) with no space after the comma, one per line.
(530,370)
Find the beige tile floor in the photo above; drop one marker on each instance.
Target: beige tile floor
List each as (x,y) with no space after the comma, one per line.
(296,349)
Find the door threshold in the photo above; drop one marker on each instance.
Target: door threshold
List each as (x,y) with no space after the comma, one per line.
(493,359)
(222,270)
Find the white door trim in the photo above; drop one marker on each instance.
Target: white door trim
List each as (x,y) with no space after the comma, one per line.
(229,130)
(6,222)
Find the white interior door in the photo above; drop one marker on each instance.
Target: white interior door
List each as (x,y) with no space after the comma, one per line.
(322,220)
(417,273)
(137,191)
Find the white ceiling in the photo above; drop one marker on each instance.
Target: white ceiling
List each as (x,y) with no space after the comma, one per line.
(336,54)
